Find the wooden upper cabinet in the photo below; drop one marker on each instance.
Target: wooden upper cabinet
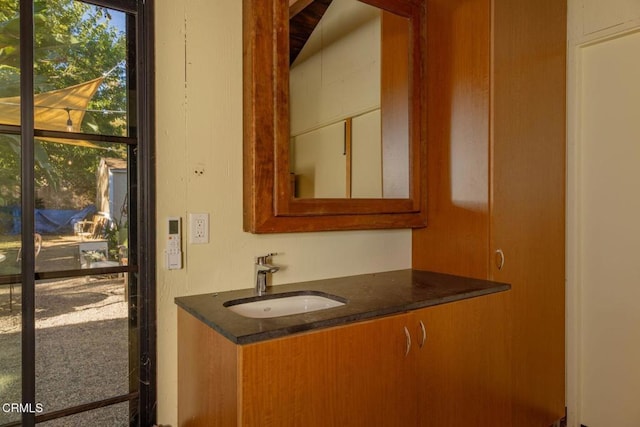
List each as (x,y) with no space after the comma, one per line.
(456,238)
(496,176)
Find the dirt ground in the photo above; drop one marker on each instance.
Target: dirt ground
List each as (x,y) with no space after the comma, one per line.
(82,340)
(57,253)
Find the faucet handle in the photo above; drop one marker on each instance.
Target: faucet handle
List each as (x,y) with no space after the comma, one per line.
(263,259)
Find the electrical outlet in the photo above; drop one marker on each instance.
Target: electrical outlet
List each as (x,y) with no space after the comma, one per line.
(199,228)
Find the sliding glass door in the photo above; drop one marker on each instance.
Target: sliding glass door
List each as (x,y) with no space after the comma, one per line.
(76,259)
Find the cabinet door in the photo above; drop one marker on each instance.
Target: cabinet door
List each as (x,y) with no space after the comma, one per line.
(464,362)
(528,186)
(355,375)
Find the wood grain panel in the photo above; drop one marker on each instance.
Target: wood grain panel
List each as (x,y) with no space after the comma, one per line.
(463,380)
(303,19)
(395,105)
(207,375)
(528,196)
(496,167)
(456,239)
(354,375)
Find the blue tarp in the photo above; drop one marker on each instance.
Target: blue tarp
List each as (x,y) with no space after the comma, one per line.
(53,221)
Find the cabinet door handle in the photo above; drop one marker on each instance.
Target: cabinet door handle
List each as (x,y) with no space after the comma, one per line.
(423,330)
(499,259)
(408,335)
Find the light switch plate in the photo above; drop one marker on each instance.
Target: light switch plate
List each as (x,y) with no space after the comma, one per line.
(198,228)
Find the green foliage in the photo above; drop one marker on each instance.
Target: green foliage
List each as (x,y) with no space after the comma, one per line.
(9,171)
(74,43)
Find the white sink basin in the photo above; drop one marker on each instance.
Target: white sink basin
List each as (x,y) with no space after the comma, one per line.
(283,305)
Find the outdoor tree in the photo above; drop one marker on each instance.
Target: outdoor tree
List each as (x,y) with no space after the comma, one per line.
(74,43)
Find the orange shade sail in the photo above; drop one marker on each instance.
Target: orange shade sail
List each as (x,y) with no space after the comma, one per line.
(54,109)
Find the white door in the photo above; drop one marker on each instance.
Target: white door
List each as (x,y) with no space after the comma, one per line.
(609,233)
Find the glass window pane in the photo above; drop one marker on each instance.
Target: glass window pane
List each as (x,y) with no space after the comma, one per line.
(84,351)
(80,68)
(10,286)
(9,63)
(10,350)
(86,344)
(10,199)
(81,205)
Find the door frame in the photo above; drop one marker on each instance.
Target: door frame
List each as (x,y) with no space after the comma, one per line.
(577,42)
(146,196)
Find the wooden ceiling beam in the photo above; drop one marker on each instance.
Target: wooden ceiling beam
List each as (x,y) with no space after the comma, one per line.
(302,24)
(297,6)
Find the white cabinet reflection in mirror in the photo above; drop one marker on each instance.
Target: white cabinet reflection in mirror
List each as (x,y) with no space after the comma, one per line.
(337,101)
(339,160)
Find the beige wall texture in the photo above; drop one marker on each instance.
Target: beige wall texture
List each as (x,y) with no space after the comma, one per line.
(199,169)
(603,272)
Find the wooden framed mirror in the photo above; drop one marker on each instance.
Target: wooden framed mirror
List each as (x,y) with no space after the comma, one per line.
(334,115)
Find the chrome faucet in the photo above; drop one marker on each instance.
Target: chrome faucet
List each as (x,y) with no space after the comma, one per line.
(262,268)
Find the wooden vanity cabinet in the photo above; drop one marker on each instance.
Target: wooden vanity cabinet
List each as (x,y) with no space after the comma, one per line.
(361,374)
(354,375)
(350,375)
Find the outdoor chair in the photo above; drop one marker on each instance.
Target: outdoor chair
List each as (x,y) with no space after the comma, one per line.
(94,228)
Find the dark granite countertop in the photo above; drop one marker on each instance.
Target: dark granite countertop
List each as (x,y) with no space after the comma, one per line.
(368,296)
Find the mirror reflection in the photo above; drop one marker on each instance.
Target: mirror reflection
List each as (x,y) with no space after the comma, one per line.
(349,101)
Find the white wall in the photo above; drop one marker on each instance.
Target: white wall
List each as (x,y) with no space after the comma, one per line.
(337,74)
(199,128)
(603,272)
(320,162)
